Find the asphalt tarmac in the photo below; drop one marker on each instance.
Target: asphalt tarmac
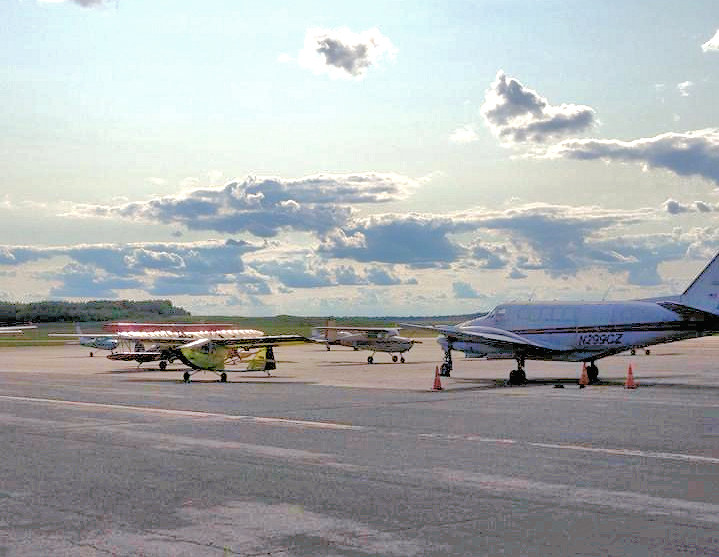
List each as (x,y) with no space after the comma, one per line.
(332,456)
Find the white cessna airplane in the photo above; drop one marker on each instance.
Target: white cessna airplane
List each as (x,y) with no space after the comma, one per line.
(376,339)
(584,331)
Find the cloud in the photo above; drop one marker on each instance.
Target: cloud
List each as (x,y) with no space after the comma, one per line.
(554,238)
(465,134)
(413,239)
(193,268)
(692,153)
(684,88)
(674,207)
(464,290)
(517,114)
(712,45)
(341,53)
(83,3)
(264,206)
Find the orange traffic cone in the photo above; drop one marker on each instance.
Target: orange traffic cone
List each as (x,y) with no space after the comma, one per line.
(584,379)
(630,384)
(437,382)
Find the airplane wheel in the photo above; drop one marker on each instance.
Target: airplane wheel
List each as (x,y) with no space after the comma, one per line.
(394,359)
(444,370)
(647,351)
(163,365)
(91,354)
(401,359)
(370,359)
(517,377)
(223,377)
(592,373)
(633,352)
(328,349)
(186,377)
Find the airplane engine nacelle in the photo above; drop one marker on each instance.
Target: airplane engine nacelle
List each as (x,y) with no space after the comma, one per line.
(210,357)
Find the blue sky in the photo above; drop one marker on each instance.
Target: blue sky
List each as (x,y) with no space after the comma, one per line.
(356,158)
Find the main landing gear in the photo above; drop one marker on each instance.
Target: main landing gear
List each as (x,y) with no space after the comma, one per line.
(370,359)
(592,373)
(446,368)
(518,376)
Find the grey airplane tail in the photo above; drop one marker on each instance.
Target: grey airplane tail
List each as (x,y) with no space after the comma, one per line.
(703,292)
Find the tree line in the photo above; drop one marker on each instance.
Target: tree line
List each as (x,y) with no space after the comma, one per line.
(96,310)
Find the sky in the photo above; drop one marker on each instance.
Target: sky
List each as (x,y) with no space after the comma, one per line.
(374,158)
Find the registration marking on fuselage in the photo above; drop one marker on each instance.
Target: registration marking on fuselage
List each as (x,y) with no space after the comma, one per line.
(186,413)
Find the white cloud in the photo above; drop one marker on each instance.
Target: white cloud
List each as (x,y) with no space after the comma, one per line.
(692,153)
(684,88)
(83,3)
(517,114)
(712,44)
(465,134)
(264,206)
(674,207)
(464,290)
(341,53)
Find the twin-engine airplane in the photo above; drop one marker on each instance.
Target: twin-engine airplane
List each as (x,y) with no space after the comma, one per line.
(376,339)
(199,350)
(582,331)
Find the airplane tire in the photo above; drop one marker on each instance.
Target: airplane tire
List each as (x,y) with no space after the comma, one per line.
(163,365)
(647,351)
(394,359)
(186,377)
(401,359)
(223,377)
(444,370)
(370,359)
(592,373)
(517,377)
(633,352)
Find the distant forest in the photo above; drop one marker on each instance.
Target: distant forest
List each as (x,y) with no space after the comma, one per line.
(97,310)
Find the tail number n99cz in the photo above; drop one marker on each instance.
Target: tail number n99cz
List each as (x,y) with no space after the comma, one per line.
(601,339)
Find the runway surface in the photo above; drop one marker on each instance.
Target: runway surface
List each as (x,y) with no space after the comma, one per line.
(100,459)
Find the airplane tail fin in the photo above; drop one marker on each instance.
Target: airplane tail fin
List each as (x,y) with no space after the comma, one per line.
(331,334)
(703,292)
(258,361)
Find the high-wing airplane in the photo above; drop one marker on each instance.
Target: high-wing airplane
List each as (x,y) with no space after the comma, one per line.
(199,350)
(100,341)
(376,339)
(584,331)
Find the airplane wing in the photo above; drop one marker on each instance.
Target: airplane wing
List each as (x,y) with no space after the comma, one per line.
(83,335)
(141,357)
(358,329)
(15,329)
(247,342)
(497,338)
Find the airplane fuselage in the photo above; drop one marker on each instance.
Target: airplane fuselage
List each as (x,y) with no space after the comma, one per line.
(581,331)
(374,342)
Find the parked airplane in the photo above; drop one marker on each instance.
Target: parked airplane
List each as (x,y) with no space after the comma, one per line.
(584,331)
(200,350)
(376,339)
(100,341)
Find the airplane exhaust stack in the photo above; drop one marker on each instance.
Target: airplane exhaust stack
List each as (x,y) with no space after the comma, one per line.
(630,383)
(584,379)
(437,381)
